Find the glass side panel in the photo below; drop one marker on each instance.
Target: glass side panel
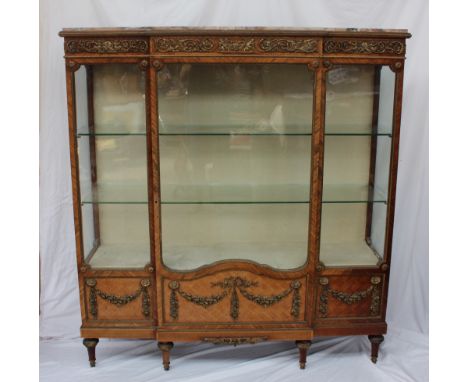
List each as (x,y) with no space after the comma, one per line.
(82,122)
(118,100)
(350,100)
(346,165)
(120,167)
(235,153)
(343,229)
(124,237)
(110,107)
(359,105)
(382,159)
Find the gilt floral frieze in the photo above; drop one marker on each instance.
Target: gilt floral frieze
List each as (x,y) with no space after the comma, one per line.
(89,45)
(239,45)
(355,46)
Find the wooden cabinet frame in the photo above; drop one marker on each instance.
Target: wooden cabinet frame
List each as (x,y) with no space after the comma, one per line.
(311,286)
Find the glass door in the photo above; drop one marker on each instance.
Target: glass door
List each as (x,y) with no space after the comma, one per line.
(235,153)
(357,152)
(111,135)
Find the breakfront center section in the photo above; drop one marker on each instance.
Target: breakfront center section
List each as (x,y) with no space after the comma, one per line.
(235,146)
(234,159)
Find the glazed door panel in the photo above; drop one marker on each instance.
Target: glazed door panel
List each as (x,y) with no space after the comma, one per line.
(235,149)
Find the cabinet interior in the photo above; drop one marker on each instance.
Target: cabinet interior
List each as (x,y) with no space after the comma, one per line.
(235,142)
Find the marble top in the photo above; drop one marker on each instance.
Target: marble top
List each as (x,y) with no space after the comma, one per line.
(148,31)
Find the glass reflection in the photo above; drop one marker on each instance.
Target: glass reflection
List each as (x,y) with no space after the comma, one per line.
(235,151)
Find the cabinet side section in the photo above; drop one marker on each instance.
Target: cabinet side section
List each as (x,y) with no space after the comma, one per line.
(70,69)
(398,68)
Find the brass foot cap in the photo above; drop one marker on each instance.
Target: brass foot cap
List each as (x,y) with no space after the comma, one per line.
(374,359)
(92,363)
(302,365)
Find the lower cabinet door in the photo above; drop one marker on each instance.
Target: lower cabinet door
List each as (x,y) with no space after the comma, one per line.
(119,298)
(348,297)
(233,297)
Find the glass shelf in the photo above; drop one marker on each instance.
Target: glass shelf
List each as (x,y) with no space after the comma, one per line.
(233,129)
(346,134)
(231,202)
(246,129)
(229,130)
(118,134)
(234,193)
(244,202)
(234,133)
(231,194)
(334,134)
(113,202)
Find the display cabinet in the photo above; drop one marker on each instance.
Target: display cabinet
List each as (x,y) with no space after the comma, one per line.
(233,185)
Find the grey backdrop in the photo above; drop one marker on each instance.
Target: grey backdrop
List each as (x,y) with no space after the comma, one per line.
(408,298)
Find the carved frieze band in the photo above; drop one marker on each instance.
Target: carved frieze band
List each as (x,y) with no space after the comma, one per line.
(118,300)
(231,286)
(288,45)
(106,46)
(235,45)
(241,45)
(364,46)
(372,291)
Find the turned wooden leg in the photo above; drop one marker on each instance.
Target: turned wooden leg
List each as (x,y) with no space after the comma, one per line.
(375,343)
(165,347)
(90,344)
(303,347)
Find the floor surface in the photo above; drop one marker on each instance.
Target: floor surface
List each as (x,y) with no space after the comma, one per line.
(404,356)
